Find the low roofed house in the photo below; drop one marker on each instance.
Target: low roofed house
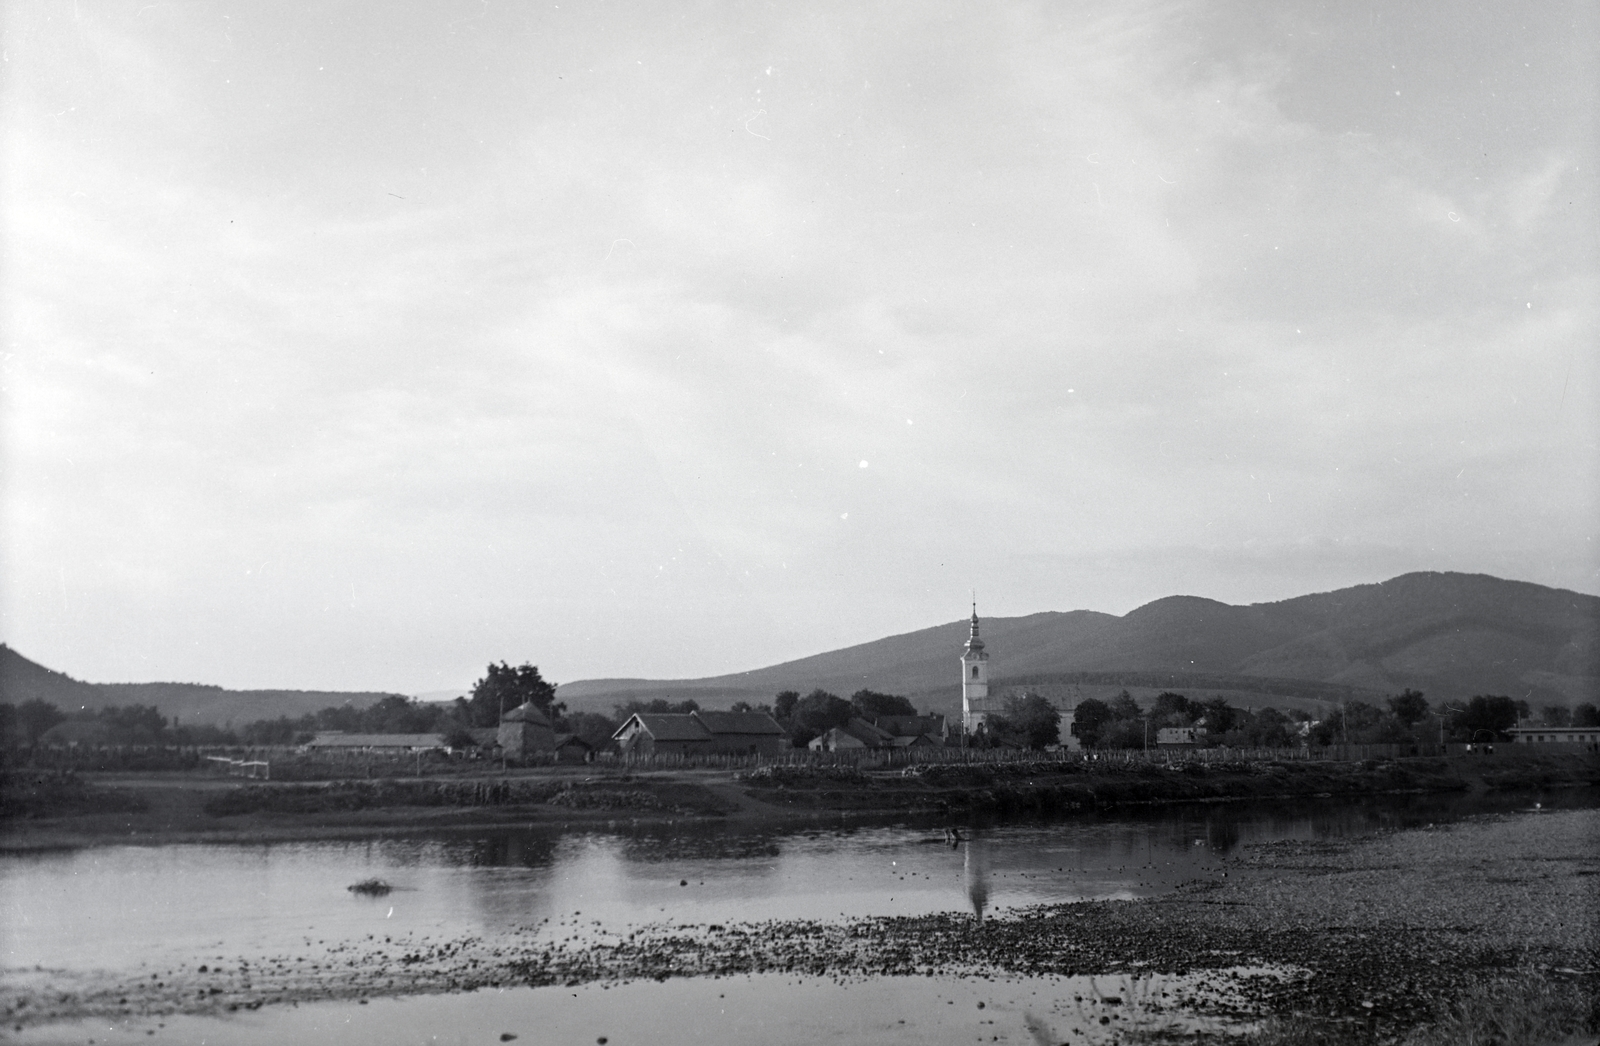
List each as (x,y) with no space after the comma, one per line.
(856,734)
(662,733)
(1179,736)
(711,733)
(526,731)
(908,729)
(570,748)
(742,733)
(339,741)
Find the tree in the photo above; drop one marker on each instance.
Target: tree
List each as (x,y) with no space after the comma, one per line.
(745,706)
(869,704)
(1555,715)
(35,717)
(783,705)
(1494,714)
(1409,706)
(593,727)
(1031,720)
(1220,716)
(1123,706)
(503,688)
(1585,714)
(1089,719)
(817,713)
(1174,710)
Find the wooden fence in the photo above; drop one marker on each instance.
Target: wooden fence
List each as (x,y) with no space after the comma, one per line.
(290,763)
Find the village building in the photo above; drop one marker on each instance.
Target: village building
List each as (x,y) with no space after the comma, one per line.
(1180,736)
(336,740)
(570,748)
(699,733)
(975,701)
(526,731)
(742,733)
(933,727)
(1555,735)
(884,732)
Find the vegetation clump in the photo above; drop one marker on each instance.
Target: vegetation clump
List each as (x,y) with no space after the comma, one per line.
(53,794)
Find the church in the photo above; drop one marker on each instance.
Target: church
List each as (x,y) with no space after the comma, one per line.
(975,703)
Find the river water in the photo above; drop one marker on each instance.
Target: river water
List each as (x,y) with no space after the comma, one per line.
(117,912)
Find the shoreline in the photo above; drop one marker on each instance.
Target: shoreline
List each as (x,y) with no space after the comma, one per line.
(179,808)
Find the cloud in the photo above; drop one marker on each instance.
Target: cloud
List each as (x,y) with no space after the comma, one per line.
(356,351)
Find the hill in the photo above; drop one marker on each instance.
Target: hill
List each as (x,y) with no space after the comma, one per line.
(24,680)
(1449,635)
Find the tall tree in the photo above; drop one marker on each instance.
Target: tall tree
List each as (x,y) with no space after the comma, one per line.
(1409,707)
(869,704)
(818,712)
(503,688)
(1032,720)
(1089,719)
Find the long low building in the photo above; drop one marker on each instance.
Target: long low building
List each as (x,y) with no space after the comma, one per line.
(1555,735)
(377,742)
(695,733)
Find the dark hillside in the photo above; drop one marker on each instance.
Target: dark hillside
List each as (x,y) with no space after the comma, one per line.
(193,703)
(1449,635)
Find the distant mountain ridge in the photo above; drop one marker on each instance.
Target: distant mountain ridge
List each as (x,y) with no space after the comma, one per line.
(193,703)
(1450,635)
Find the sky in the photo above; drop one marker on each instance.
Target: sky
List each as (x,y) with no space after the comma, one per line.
(356,346)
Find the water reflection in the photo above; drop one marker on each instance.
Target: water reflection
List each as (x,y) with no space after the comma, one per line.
(118,906)
(975,875)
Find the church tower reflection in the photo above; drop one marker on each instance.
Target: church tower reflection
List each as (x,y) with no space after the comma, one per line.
(975,874)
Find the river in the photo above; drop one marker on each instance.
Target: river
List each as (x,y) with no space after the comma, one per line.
(121,914)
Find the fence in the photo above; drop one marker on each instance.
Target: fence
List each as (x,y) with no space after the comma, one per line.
(285,763)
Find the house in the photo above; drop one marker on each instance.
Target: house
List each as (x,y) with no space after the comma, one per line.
(693,733)
(743,733)
(525,731)
(1180,736)
(933,727)
(570,748)
(336,740)
(854,735)
(1555,735)
(662,733)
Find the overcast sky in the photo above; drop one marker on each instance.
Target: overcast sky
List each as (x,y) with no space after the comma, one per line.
(356,346)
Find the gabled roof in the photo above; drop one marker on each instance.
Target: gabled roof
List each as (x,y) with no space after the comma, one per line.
(910,725)
(563,740)
(526,713)
(668,726)
(739,723)
(867,734)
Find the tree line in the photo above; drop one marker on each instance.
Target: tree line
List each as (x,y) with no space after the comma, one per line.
(1027,720)
(1404,718)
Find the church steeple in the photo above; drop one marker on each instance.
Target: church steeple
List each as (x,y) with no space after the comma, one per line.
(974,678)
(974,641)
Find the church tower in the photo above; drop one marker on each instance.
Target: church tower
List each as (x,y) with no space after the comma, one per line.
(974,680)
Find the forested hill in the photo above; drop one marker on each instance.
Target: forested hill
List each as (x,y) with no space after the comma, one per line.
(193,703)
(1449,635)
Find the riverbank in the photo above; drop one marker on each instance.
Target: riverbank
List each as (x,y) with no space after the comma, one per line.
(1367,937)
(51,811)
